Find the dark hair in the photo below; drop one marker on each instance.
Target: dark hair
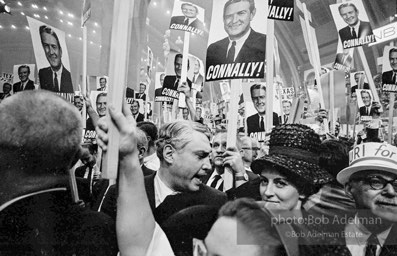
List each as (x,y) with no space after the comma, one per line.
(180,56)
(257,86)
(367,92)
(23,66)
(290,103)
(392,50)
(102,78)
(334,156)
(251,2)
(150,129)
(135,101)
(347,5)
(102,94)
(48,30)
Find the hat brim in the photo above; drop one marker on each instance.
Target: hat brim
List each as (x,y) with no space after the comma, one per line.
(310,172)
(344,175)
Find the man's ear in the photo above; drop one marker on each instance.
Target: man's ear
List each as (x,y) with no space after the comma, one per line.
(168,153)
(253,14)
(348,190)
(142,151)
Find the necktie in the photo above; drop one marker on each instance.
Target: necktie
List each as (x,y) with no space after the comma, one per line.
(215,181)
(262,128)
(186,22)
(372,244)
(354,33)
(176,84)
(395,78)
(21,88)
(56,86)
(368,111)
(231,52)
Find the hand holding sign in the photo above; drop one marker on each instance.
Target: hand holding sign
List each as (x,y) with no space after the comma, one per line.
(183,87)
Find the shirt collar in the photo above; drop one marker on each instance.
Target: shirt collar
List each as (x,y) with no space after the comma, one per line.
(161,190)
(362,234)
(59,72)
(356,28)
(239,43)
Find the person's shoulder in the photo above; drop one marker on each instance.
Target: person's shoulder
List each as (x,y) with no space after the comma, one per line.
(176,18)
(44,70)
(219,43)
(387,73)
(257,35)
(252,117)
(344,29)
(215,194)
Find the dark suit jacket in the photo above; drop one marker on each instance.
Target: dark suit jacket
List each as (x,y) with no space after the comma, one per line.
(181,19)
(387,77)
(50,224)
(17,86)
(363,31)
(363,110)
(204,196)
(140,96)
(140,117)
(253,123)
(169,82)
(47,82)
(253,50)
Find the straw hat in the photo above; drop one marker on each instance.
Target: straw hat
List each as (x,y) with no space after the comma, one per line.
(295,148)
(370,156)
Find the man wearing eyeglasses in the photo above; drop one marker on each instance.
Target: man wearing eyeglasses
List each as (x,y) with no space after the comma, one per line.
(249,149)
(371,181)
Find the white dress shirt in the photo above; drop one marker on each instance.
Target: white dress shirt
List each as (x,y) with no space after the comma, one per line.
(357,243)
(239,44)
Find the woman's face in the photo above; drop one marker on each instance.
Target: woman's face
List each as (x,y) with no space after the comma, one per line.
(278,192)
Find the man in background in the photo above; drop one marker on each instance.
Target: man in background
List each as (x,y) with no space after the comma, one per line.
(141,95)
(56,77)
(390,77)
(256,122)
(25,83)
(139,117)
(242,44)
(6,91)
(172,82)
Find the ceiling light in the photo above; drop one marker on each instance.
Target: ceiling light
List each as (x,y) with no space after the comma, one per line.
(12,26)
(61,12)
(70,15)
(61,20)
(35,6)
(70,23)
(19,3)
(4,8)
(22,13)
(46,17)
(44,8)
(27,27)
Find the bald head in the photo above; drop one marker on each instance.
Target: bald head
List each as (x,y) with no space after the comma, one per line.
(41,130)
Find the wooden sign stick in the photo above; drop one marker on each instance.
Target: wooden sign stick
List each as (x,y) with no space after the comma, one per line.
(269,74)
(122,23)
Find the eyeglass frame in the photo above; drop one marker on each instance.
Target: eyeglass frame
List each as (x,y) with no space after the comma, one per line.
(367,180)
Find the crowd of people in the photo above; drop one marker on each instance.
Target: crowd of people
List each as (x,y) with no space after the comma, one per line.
(304,197)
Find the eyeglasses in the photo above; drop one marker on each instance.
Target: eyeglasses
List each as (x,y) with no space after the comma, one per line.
(378,183)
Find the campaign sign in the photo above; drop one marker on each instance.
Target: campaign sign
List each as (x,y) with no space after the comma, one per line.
(281,10)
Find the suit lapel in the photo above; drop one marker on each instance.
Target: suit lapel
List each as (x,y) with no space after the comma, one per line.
(149,185)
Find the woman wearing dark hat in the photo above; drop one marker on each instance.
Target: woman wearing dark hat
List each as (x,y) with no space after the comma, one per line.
(290,173)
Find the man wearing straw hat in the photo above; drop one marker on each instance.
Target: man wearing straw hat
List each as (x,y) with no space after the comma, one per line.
(371,180)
